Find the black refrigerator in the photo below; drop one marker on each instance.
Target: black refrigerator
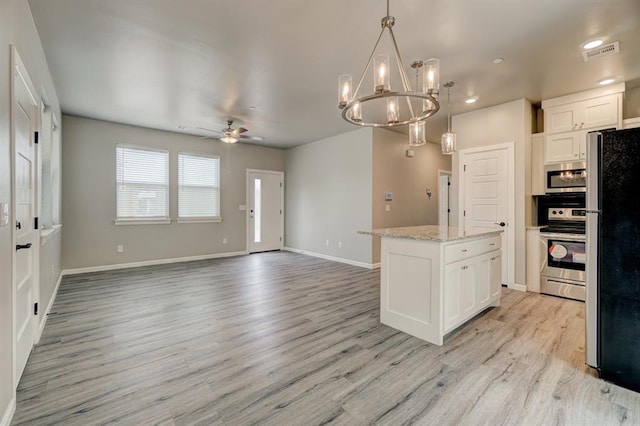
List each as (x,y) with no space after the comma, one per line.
(612,306)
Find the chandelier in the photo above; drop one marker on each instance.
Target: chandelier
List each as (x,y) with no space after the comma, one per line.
(384,107)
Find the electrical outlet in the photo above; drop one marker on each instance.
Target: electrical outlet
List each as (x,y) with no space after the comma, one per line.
(326,243)
(120,248)
(224,240)
(339,244)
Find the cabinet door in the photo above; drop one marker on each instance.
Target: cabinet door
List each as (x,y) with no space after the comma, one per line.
(484,278)
(599,112)
(560,119)
(460,294)
(562,147)
(495,275)
(537,164)
(451,290)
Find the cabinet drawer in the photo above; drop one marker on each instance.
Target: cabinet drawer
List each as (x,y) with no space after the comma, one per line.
(455,252)
(487,245)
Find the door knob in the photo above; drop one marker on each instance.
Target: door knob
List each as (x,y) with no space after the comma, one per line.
(23,246)
(500,223)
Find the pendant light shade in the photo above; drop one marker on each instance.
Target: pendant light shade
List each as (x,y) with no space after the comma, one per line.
(448,142)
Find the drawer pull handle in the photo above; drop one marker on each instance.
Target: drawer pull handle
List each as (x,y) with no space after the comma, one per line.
(464,250)
(492,244)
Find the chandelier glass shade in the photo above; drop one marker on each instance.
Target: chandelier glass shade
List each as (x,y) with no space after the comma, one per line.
(382,106)
(418,133)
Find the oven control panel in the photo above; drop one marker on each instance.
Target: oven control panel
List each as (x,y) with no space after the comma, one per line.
(567,213)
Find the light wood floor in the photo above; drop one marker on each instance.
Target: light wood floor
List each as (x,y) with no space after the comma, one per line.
(285,339)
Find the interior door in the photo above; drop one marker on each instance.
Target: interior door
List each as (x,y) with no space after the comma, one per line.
(266,210)
(487,198)
(24,121)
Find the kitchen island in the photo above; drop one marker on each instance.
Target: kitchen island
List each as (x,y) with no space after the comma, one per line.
(434,279)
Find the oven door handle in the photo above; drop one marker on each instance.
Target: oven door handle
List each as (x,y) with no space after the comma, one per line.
(543,254)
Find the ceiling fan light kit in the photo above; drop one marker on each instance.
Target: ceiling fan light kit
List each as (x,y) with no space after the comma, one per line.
(231,135)
(383,107)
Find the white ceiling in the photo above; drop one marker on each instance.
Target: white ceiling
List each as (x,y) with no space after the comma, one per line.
(165,63)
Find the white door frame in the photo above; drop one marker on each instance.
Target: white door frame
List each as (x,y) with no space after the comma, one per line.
(511,203)
(247,198)
(441,173)
(18,69)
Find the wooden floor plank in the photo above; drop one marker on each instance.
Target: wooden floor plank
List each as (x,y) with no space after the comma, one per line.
(282,338)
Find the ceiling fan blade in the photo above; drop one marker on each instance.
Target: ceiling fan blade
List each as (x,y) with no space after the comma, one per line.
(251,138)
(239,130)
(209,130)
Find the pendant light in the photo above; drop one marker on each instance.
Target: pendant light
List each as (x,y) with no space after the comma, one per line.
(449,138)
(418,130)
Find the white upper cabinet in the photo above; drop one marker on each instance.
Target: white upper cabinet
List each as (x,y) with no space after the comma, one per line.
(568,119)
(594,113)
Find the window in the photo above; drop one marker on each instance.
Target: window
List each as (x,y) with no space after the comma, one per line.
(142,184)
(49,140)
(198,187)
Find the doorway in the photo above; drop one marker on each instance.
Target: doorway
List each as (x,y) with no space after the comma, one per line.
(265,212)
(487,197)
(444,192)
(26,239)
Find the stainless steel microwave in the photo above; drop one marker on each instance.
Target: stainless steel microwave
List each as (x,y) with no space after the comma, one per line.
(566,177)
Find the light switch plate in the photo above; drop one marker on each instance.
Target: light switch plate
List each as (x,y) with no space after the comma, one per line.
(4,214)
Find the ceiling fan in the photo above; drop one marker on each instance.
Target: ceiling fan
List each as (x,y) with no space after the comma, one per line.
(231,135)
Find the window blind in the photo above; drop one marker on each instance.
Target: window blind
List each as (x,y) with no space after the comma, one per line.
(142,181)
(198,186)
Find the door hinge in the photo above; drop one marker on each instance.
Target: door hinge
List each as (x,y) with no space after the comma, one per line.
(448,210)
(448,183)
(280,184)
(35,222)
(464,213)
(280,211)
(465,168)
(280,238)
(35,308)
(36,136)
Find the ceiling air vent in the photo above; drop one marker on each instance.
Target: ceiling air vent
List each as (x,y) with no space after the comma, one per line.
(604,50)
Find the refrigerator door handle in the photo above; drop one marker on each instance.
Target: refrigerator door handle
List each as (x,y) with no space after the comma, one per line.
(592,229)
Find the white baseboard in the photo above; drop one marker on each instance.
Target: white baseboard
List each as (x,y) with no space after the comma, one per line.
(334,258)
(43,322)
(9,412)
(150,263)
(519,287)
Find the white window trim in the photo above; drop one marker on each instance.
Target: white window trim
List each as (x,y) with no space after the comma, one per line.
(142,221)
(204,219)
(199,220)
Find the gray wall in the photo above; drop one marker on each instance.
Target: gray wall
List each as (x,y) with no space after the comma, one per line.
(328,196)
(88,197)
(17,28)
(407,178)
(509,122)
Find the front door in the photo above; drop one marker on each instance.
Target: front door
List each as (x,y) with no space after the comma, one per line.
(24,121)
(487,197)
(265,210)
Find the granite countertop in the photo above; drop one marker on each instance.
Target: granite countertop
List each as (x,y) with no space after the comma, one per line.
(435,233)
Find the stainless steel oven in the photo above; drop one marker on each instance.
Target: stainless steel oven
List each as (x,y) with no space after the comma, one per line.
(566,177)
(563,248)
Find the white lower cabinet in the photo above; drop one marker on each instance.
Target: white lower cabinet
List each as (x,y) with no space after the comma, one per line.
(430,288)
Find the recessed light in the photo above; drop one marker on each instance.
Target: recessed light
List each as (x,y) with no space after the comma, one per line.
(498,60)
(471,100)
(606,81)
(592,44)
